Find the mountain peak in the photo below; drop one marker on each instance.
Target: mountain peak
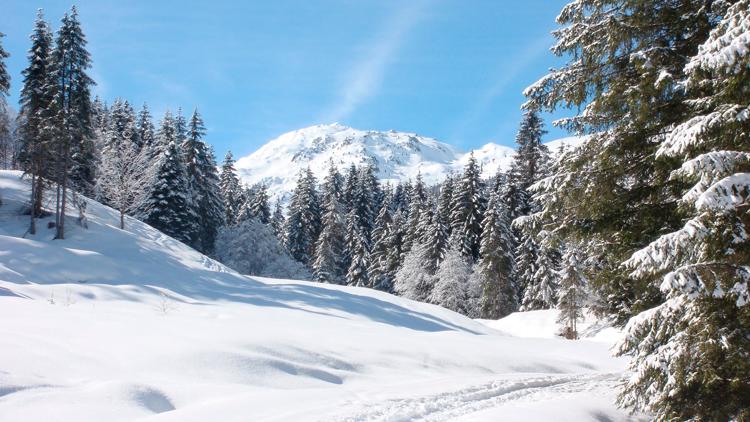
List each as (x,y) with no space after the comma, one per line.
(397,156)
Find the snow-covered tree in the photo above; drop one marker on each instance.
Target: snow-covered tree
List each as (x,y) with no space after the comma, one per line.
(167,206)
(277,221)
(303,220)
(68,118)
(467,209)
(572,296)
(417,204)
(329,262)
(203,183)
(452,279)
(540,290)
(381,277)
(5,121)
(357,274)
(690,354)
(251,247)
(495,269)
(35,101)
(229,186)
(123,176)
(412,280)
(145,130)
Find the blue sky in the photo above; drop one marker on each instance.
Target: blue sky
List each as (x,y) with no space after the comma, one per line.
(450,69)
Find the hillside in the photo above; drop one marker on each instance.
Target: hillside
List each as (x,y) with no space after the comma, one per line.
(132,325)
(398,156)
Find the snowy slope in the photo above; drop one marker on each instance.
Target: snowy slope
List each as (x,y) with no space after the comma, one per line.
(132,325)
(398,156)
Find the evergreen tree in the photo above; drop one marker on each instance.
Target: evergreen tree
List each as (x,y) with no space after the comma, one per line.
(494,270)
(467,210)
(572,292)
(541,288)
(529,164)
(452,279)
(417,204)
(364,202)
(329,263)
(203,184)
(379,271)
(167,206)
(145,130)
(5,128)
(35,101)
(277,221)
(229,187)
(625,63)
(68,118)
(412,280)
(180,127)
(350,187)
(690,353)
(257,204)
(357,274)
(303,222)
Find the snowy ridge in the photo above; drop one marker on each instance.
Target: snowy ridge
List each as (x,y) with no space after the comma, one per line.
(398,156)
(130,325)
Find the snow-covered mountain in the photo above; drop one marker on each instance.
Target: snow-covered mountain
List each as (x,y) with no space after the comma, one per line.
(132,325)
(398,156)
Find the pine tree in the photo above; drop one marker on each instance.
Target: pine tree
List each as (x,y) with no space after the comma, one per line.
(495,269)
(541,289)
(412,280)
(5,121)
(357,274)
(529,164)
(467,210)
(690,353)
(417,204)
(203,185)
(624,66)
(35,101)
(258,206)
(572,292)
(167,206)
(277,221)
(68,118)
(452,279)
(145,130)
(180,127)
(379,271)
(349,189)
(329,262)
(229,187)
(303,222)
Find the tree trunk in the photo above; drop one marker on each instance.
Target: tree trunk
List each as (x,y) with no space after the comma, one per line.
(32,210)
(122,219)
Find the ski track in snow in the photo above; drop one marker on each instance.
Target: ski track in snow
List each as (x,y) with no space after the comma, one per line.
(448,405)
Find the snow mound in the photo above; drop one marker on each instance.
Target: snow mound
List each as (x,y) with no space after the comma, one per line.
(543,324)
(124,325)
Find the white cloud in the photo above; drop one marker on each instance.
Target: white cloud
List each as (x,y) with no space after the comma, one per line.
(365,78)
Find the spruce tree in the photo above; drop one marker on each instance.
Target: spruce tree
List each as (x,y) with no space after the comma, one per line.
(572,292)
(277,221)
(5,121)
(167,206)
(380,274)
(229,187)
(146,131)
(203,184)
(495,269)
(357,274)
(303,222)
(417,204)
(452,279)
(329,262)
(690,353)
(35,101)
(68,118)
(467,210)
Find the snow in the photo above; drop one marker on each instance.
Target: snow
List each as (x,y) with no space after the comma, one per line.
(132,325)
(398,156)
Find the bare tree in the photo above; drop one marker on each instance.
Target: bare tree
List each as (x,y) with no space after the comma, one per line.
(124,173)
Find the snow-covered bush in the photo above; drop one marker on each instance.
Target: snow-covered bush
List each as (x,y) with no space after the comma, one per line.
(252,248)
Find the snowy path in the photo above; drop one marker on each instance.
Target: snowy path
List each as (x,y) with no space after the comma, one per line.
(452,405)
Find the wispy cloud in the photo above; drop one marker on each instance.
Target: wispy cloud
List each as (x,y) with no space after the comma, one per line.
(364,79)
(508,72)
